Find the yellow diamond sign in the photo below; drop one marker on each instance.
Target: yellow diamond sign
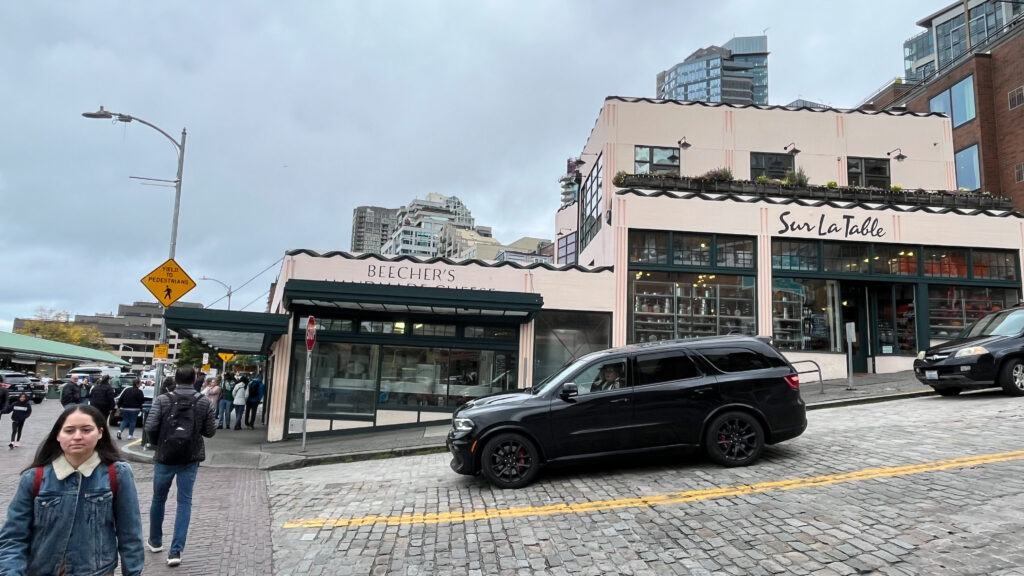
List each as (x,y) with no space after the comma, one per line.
(225,356)
(168,282)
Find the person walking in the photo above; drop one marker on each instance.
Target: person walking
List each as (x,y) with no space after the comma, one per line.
(225,403)
(85,390)
(103,396)
(239,399)
(20,410)
(177,423)
(213,392)
(71,394)
(130,401)
(252,401)
(75,509)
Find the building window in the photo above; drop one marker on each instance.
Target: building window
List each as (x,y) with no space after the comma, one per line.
(655,160)
(1018,173)
(381,327)
(1016,97)
(795,254)
(951,308)
(493,333)
(894,260)
(944,262)
(593,194)
(567,249)
(648,247)
(994,264)
(896,319)
(803,314)
(437,330)
(847,257)
(770,165)
(734,251)
(968,174)
(670,305)
(957,102)
(868,172)
(691,250)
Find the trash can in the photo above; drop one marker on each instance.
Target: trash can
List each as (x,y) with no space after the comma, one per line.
(52,392)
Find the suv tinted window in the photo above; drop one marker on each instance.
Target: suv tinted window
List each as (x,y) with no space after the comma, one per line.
(15,379)
(734,359)
(654,369)
(608,375)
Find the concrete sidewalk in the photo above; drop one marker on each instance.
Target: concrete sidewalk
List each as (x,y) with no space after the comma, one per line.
(248,448)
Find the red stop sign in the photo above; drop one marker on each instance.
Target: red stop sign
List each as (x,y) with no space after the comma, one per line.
(310,334)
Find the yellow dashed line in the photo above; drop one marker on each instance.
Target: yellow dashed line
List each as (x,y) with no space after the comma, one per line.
(662,499)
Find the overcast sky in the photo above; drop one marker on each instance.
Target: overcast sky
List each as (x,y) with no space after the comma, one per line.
(297,112)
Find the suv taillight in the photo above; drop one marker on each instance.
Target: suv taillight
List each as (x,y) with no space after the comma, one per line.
(793,380)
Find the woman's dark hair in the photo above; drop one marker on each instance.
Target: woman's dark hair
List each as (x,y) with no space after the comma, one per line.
(50,449)
(168,386)
(104,380)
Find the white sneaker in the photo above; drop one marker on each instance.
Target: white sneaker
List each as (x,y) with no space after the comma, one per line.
(153,548)
(173,560)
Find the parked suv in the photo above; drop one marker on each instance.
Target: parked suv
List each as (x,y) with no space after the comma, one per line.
(729,395)
(18,383)
(989,352)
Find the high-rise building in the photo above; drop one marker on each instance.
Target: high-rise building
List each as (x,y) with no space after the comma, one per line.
(952,32)
(372,226)
(735,73)
(420,222)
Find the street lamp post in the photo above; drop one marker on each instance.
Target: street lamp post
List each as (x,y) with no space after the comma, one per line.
(180,146)
(222,284)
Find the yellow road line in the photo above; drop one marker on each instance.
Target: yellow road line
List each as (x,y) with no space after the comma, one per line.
(662,499)
(132,443)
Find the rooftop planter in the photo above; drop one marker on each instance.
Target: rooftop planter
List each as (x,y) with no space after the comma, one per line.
(897,195)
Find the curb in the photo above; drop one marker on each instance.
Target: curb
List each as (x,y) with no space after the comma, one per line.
(869,400)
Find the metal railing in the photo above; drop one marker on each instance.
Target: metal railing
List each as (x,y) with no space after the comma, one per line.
(817,369)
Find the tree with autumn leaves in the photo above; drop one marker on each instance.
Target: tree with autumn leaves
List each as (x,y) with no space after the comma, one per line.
(51,324)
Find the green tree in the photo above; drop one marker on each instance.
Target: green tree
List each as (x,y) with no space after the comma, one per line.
(192,353)
(51,324)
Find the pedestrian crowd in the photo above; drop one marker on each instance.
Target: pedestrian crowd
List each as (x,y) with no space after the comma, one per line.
(78,483)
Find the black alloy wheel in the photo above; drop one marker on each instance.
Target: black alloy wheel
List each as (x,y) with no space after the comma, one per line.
(1011,377)
(509,461)
(734,439)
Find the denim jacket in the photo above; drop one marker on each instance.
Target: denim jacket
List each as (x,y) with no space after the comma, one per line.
(75,520)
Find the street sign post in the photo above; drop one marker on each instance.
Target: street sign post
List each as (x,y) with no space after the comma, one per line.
(206,358)
(224,357)
(160,351)
(310,343)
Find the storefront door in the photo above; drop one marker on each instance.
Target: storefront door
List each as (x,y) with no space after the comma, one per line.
(854,298)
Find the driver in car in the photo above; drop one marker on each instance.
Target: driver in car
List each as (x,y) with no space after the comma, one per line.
(608,379)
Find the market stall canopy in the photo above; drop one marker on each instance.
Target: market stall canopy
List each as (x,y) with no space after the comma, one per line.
(227,330)
(21,349)
(519,306)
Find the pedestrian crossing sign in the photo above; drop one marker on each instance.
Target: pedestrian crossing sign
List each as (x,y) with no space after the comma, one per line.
(168,282)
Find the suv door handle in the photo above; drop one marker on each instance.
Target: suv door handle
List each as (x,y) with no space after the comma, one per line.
(618,400)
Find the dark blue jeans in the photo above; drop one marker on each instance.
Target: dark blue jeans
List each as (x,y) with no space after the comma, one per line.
(129,416)
(163,474)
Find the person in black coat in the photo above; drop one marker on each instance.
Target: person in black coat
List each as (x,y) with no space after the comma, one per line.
(20,410)
(71,393)
(130,401)
(102,397)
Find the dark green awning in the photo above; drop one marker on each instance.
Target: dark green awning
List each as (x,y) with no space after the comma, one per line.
(415,299)
(227,330)
(22,349)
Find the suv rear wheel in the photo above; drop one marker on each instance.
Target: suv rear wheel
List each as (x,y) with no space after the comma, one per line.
(734,439)
(1011,377)
(509,461)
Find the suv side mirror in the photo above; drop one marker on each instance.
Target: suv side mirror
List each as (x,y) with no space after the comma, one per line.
(569,389)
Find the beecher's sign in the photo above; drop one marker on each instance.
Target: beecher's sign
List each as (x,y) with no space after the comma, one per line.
(168,282)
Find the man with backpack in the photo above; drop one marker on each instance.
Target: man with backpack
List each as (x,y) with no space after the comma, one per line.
(176,425)
(252,401)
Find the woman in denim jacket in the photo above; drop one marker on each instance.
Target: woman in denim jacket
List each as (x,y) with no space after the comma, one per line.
(76,524)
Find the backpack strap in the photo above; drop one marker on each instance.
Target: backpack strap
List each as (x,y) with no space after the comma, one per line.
(38,482)
(112,473)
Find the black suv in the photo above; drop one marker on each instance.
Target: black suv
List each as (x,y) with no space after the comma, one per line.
(730,395)
(989,352)
(18,383)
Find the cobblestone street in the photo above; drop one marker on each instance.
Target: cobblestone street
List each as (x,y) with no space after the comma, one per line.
(939,518)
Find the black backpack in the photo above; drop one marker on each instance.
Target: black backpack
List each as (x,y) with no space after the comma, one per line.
(177,436)
(254,391)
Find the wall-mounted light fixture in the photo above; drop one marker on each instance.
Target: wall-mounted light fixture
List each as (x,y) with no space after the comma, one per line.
(683,144)
(899,157)
(791,148)
(564,231)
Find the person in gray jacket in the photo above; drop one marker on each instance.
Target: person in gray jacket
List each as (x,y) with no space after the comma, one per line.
(177,423)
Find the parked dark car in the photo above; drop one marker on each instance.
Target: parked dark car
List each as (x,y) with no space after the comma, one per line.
(18,383)
(988,353)
(729,395)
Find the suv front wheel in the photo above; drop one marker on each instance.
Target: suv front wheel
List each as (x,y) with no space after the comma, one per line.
(1011,377)
(509,461)
(734,439)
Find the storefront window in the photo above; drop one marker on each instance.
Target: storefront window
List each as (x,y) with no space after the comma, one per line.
(381,327)
(951,308)
(846,257)
(945,262)
(343,378)
(995,264)
(563,336)
(802,316)
(470,374)
(894,260)
(668,305)
(436,330)
(795,254)
(896,320)
(507,333)
(649,247)
(691,249)
(734,251)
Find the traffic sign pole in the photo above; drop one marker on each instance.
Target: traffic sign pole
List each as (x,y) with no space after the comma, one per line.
(310,343)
